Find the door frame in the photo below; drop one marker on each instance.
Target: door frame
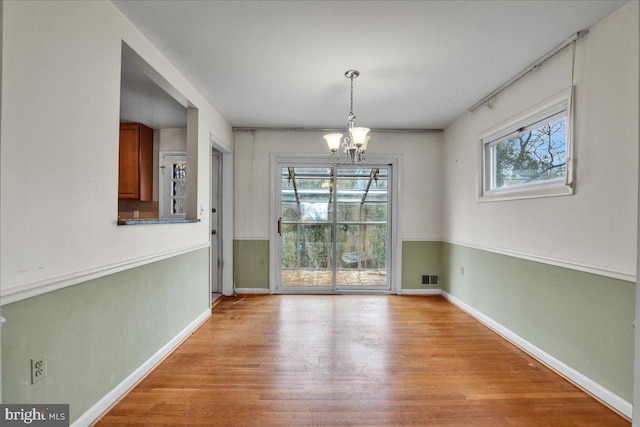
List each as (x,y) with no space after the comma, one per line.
(225,220)
(215,221)
(394,269)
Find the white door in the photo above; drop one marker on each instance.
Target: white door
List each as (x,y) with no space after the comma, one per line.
(216,221)
(172,189)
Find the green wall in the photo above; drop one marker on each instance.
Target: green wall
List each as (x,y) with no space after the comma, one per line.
(251,264)
(420,258)
(584,320)
(97,333)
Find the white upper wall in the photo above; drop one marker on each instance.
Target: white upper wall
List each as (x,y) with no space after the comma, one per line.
(172,139)
(596,227)
(59,158)
(422,176)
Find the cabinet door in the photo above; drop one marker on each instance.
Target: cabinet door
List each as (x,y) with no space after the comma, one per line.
(128,170)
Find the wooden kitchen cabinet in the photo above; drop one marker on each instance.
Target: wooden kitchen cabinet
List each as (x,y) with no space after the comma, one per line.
(135,170)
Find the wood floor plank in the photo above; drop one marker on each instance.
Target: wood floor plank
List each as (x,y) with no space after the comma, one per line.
(352,361)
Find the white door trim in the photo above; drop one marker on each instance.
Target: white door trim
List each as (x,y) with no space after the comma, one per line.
(215,221)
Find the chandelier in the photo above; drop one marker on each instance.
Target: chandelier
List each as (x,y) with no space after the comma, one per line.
(355,144)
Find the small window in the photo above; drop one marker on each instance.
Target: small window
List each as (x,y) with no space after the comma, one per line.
(531,155)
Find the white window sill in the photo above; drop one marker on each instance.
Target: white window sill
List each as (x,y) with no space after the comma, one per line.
(525,193)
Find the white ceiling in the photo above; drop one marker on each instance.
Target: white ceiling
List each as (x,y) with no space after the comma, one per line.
(422,63)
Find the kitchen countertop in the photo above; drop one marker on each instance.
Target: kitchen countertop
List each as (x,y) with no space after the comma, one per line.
(140,221)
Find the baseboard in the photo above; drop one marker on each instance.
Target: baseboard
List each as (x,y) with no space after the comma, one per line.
(402,291)
(599,392)
(252,290)
(431,291)
(96,411)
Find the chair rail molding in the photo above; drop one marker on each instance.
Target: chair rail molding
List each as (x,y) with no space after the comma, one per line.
(18,293)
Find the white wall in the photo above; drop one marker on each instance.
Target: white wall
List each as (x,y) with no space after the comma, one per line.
(636,336)
(172,139)
(1,70)
(595,228)
(422,176)
(60,96)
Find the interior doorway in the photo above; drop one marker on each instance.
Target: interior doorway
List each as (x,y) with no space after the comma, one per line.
(216,223)
(334,228)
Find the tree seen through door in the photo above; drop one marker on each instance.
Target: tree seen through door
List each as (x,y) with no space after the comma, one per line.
(311,226)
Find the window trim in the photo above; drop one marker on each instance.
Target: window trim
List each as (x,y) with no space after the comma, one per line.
(549,110)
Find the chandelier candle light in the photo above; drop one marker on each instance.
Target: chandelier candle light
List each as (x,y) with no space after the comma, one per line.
(356,143)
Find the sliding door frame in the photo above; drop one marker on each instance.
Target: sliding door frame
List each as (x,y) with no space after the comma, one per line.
(394,268)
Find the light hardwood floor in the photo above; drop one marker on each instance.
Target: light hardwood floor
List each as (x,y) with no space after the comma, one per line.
(352,360)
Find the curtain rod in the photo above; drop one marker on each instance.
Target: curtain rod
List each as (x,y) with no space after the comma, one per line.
(333,129)
(536,64)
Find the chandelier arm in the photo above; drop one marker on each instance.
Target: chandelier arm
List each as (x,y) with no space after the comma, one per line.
(334,159)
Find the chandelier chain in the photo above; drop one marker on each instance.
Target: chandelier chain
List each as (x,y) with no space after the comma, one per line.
(351,109)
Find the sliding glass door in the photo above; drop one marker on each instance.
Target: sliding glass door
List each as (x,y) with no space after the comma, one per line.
(333,229)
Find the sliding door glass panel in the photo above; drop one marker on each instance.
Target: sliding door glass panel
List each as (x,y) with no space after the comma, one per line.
(306,227)
(362,227)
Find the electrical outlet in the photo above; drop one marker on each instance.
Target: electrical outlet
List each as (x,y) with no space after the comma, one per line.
(38,369)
